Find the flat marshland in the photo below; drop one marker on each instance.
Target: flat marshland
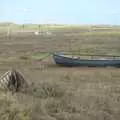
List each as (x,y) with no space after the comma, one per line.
(60,93)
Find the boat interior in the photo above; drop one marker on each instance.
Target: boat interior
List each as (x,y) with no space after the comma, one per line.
(92,57)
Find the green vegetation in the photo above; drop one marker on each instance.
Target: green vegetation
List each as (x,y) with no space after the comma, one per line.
(39,56)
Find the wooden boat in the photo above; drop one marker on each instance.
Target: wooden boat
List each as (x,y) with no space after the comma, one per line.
(64,60)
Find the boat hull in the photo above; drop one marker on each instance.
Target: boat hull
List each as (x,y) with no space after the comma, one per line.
(71,62)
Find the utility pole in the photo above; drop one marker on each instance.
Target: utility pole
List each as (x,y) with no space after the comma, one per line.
(8,31)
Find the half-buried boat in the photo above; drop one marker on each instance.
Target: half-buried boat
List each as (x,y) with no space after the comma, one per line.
(63,60)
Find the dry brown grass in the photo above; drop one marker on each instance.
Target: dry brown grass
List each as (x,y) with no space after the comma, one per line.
(82,94)
(60,93)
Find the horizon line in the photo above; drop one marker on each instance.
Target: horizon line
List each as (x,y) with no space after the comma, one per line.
(81,24)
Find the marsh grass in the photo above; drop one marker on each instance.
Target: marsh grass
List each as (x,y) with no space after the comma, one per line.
(86,96)
(60,93)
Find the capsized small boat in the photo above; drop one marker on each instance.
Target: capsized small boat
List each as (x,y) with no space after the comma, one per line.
(63,60)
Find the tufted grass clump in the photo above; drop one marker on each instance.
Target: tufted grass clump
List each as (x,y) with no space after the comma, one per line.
(48,89)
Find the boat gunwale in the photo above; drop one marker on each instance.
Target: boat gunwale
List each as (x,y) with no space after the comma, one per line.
(70,58)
